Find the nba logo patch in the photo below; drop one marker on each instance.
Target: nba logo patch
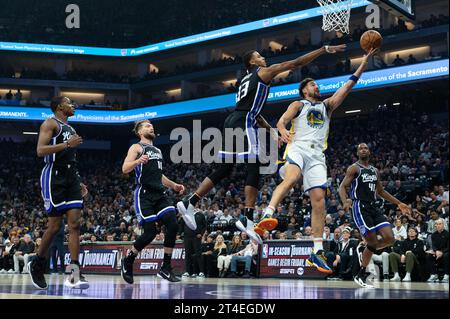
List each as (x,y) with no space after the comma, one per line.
(266,22)
(265,251)
(123,52)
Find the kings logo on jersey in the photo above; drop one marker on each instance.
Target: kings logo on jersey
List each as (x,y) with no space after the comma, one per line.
(315,118)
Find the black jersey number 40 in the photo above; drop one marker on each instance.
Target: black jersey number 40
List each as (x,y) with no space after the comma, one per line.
(243,90)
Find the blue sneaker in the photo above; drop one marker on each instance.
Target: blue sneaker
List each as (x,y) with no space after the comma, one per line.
(319,261)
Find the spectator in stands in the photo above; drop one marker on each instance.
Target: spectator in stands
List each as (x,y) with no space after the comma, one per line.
(326,233)
(412,253)
(207,249)
(399,230)
(6,260)
(26,247)
(382,256)
(307,233)
(434,217)
(344,253)
(438,254)
(398,61)
(245,255)
(434,204)
(193,244)
(9,95)
(411,59)
(220,252)
(18,95)
(329,222)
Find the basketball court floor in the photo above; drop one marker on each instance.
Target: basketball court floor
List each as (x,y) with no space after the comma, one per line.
(19,286)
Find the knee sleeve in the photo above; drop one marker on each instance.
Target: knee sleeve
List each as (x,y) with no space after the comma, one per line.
(224,170)
(147,237)
(252,175)
(170,222)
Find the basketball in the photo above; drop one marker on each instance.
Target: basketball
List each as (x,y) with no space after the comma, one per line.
(370,39)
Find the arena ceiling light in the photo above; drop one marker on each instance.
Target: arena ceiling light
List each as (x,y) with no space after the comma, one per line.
(352,111)
(396,103)
(30,133)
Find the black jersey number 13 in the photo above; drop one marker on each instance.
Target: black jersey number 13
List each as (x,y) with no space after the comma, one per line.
(243,90)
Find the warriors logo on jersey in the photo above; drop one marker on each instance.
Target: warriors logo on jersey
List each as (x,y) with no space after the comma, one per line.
(315,118)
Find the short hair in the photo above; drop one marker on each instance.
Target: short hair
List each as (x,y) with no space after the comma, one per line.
(137,126)
(56,101)
(304,83)
(247,57)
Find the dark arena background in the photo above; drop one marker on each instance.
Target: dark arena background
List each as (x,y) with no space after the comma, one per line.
(180,64)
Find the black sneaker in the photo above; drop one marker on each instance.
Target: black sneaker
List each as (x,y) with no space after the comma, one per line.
(167,273)
(127,269)
(37,270)
(362,280)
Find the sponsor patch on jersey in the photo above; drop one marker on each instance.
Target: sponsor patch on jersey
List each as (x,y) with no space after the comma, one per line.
(315,118)
(47,204)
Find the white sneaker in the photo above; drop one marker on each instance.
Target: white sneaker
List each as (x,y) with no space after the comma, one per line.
(185,275)
(433,278)
(201,275)
(11,271)
(249,231)
(187,214)
(396,278)
(407,277)
(445,279)
(3,271)
(75,280)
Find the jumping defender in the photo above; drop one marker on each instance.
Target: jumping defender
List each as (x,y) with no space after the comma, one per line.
(250,101)
(61,190)
(364,182)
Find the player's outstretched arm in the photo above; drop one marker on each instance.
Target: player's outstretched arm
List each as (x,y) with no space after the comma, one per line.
(133,159)
(45,135)
(345,185)
(385,195)
(339,96)
(269,73)
(292,111)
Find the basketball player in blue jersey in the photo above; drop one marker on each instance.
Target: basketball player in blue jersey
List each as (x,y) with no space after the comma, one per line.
(250,101)
(364,183)
(61,190)
(305,153)
(151,204)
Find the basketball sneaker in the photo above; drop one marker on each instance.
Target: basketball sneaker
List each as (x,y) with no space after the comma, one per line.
(126,271)
(75,279)
(267,222)
(37,270)
(362,279)
(167,273)
(186,210)
(249,230)
(319,261)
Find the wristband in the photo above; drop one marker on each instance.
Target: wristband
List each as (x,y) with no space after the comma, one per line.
(353,78)
(326,49)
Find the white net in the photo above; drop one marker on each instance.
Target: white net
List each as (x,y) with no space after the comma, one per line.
(336,15)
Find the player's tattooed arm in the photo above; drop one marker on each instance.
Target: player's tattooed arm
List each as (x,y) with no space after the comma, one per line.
(269,73)
(134,158)
(345,185)
(293,110)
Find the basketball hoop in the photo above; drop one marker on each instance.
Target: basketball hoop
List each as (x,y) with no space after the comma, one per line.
(336,15)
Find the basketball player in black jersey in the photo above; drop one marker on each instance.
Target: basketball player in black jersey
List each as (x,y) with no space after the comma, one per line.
(150,201)
(250,101)
(61,190)
(364,183)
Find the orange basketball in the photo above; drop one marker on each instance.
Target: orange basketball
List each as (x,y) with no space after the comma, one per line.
(370,39)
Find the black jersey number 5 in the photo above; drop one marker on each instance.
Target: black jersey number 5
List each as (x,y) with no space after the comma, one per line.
(243,90)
